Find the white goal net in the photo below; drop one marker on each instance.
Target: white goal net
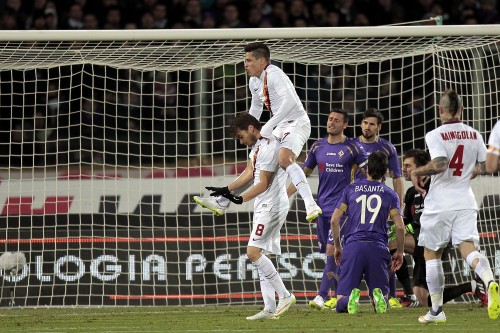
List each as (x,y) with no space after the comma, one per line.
(107,135)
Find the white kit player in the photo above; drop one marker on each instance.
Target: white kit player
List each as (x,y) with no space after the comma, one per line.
(457,154)
(492,159)
(289,122)
(270,210)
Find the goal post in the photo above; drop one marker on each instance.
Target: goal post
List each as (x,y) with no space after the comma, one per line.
(106,135)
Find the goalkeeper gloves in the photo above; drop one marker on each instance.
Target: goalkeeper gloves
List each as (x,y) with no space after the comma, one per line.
(234,198)
(216,191)
(392,231)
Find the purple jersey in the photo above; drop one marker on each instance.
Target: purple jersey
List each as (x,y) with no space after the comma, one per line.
(367,204)
(336,166)
(388,149)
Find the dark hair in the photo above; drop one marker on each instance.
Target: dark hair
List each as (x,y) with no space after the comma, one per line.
(377,165)
(421,157)
(372,112)
(241,123)
(343,112)
(259,50)
(451,101)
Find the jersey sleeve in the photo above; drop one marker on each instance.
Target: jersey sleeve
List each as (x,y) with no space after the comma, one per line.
(311,161)
(494,140)
(257,105)
(394,166)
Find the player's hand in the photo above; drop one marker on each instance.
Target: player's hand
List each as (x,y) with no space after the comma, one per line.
(418,182)
(337,253)
(397,261)
(234,198)
(216,191)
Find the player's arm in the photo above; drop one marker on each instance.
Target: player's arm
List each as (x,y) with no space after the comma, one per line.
(397,257)
(291,188)
(397,184)
(256,106)
(266,178)
(245,177)
(335,226)
(479,169)
(492,159)
(434,167)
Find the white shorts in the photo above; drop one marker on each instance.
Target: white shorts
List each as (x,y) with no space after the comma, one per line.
(266,231)
(293,134)
(438,228)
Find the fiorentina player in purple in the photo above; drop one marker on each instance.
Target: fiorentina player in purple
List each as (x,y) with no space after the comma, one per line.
(368,203)
(370,140)
(337,158)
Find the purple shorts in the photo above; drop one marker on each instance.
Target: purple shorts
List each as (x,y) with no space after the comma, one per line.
(366,260)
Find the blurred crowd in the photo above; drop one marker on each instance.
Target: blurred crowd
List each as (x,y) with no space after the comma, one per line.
(178,14)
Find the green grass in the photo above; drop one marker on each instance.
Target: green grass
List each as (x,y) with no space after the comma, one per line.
(300,318)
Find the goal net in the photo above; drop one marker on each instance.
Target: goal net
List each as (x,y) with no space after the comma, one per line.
(107,135)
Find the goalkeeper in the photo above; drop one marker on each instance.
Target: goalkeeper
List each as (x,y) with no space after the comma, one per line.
(413,207)
(270,210)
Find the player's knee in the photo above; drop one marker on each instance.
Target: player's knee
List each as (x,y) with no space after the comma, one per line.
(253,253)
(286,157)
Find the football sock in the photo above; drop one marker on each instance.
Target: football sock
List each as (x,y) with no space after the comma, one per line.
(298,179)
(392,284)
(435,282)
(328,279)
(342,304)
(450,293)
(404,278)
(268,294)
(271,274)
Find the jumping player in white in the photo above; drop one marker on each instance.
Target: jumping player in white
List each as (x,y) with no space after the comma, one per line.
(289,122)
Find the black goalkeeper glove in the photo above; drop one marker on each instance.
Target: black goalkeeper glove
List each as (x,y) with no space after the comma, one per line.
(216,191)
(234,198)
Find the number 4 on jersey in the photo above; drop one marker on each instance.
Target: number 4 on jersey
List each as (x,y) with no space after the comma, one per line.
(456,161)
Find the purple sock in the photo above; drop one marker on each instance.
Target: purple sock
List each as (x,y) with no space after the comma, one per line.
(342,304)
(392,284)
(329,277)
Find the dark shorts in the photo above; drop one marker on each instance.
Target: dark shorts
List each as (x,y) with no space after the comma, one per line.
(366,260)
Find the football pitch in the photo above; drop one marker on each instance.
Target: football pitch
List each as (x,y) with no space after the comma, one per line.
(300,318)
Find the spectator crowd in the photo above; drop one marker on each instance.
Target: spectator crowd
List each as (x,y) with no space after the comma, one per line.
(186,14)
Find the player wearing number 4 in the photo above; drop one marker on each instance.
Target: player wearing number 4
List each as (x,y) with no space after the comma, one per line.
(289,122)
(270,210)
(457,154)
(368,204)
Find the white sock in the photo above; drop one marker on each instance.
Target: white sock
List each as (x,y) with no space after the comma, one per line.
(435,282)
(269,272)
(268,294)
(299,179)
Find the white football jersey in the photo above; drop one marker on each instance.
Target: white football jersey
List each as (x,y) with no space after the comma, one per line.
(494,140)
(264,156)
(274,89)
(463,146)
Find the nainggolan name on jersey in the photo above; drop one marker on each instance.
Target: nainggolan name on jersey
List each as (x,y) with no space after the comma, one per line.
(458,135)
